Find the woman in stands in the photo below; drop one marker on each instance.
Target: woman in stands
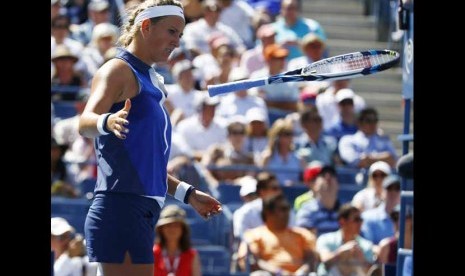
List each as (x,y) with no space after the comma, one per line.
(172,251)
(132,180)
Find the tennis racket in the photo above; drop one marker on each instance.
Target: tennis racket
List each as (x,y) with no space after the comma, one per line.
(345,66)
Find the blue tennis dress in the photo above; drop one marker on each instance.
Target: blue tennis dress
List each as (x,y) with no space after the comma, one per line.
(132,178)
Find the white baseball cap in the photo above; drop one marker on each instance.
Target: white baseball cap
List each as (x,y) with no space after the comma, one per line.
(59,226)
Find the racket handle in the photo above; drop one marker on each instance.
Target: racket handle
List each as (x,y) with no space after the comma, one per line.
(218,89)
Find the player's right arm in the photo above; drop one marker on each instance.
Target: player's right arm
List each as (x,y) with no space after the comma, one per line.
(113,82)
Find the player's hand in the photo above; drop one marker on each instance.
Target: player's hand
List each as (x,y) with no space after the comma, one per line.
(117,121)
(204,204)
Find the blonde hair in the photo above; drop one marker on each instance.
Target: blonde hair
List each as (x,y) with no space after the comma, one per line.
(129,29)
(279,126)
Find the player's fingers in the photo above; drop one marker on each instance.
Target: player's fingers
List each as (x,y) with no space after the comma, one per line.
(119,135)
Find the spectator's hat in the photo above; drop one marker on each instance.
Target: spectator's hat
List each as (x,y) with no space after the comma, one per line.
(59,226)
(390,180)
(238,73)
(211,5)
(248,185)
(255,114)
(99,5)
(379,166)
(62,51)
(312,171)
(274,51)
(105,30)
(203,100)
(53,2)
(311,38)
(170,214)
(265,30)
(181,66)
(345,94)
(308,94)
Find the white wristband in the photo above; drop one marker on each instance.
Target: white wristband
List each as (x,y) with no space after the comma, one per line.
(181,190)
(101,123)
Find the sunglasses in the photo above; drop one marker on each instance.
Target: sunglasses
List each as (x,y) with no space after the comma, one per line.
(393,188)
(379,175)
(357,219)
(237,133)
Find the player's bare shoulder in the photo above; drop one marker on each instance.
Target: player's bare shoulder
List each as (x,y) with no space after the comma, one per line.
(117,76)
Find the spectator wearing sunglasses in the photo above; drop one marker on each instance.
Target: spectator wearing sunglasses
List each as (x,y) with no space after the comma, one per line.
(377,223)
(372,195)
(345,252)
(276,247)
(367,145)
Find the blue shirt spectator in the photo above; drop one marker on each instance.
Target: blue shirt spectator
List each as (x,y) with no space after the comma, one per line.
(377,224)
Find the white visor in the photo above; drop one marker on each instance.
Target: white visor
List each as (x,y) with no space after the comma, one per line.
(158,11)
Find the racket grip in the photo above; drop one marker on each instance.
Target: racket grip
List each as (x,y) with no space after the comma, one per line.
(218,89)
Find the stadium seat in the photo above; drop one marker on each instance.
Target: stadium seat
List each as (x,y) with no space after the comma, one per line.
(347,192)
(64,109)
(349,176)
(215,260)
(292,192)
(229,193)
(74,210)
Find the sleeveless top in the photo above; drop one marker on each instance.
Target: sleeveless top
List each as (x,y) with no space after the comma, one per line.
(180,267)
(137,164)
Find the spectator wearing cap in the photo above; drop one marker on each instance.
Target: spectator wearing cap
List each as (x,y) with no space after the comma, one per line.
(252,60)
(347,122)
(104,36)
(239,102)
(291,27)
(172,251)
(373,195)
(182,94)
(61,235)
(313,144)
(367,145)
(232,151)
(60,35)
(197,33)
(238,15)
(309,177)
(281,96)
(280,156)
(203,129)
(313,48)
(328,106)
(98,11)
(345,251)
(307,99)
(67,81)
(257,132)
(248,190)
(215,66)
(377,223)
(248,216)
(320,215)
